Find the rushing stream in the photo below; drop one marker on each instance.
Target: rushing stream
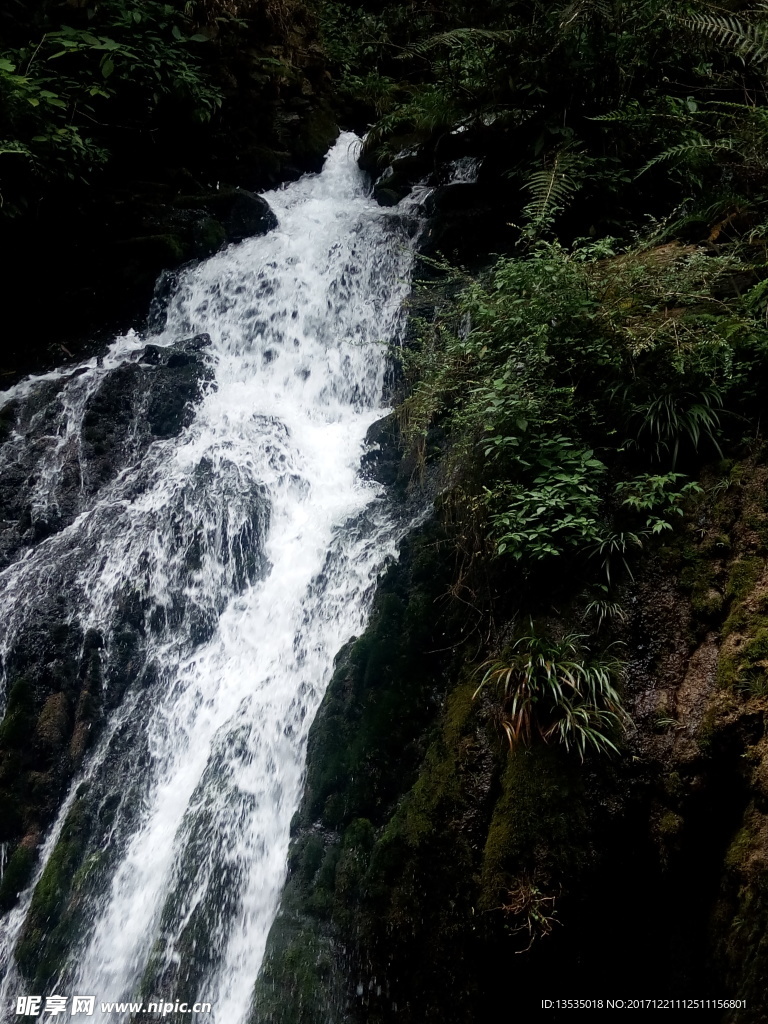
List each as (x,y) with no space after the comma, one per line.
(215,571)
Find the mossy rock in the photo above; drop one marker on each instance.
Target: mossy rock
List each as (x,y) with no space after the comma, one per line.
(53,919)
(540,827)
(745,573)
(16,876)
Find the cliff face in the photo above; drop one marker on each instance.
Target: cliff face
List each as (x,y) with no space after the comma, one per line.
(434,873)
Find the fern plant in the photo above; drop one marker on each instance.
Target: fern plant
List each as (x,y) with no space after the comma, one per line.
(456,38)
(746,39)
(551,189)
(696,148)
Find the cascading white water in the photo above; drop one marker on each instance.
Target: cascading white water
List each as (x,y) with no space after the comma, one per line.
(206,758)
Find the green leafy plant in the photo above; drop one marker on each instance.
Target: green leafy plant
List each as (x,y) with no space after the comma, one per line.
(60,93)
(678,415)
(602,609)
(551,188)
(550,691)
(559,511)
(746,39)
(657,497)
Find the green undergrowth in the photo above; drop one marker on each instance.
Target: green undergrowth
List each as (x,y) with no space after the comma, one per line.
(596,409)
(595,115)
(87,87)
(581,393)
(590,401)
(64,83)
(464,851)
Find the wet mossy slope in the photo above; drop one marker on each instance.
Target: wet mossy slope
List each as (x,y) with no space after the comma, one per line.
(432,870)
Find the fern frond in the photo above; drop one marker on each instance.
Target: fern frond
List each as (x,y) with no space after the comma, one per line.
(550,189)
(747,40)
(632,116)
(573,11)
(691,148)
(455,38)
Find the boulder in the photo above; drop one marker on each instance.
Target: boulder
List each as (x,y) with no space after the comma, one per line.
(239,213)
(248,215)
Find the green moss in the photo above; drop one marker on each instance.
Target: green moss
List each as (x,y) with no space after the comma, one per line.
(157,250)
(19,721)
(727,670)
(742,844)
(757,521)
(700,578)
(86,870)
(673,785)
(295,983)
(707,604)
(670,825)
(737,621)
(459,709)
(42,949)
(17,873)
(351,867)
(365,745)
(211,235)
(744,574)
(744,665)
(757,648)
(437,784)
(539,823)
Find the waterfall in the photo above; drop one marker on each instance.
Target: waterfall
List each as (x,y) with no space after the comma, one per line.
(208,576)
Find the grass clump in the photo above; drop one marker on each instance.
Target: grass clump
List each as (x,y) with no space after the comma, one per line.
(549,690)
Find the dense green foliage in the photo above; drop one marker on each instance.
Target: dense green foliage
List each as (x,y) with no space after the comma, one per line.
(114,83)
(575,387)
(80,70)
(581,392)
(549,689)
(123,123)
(626,109)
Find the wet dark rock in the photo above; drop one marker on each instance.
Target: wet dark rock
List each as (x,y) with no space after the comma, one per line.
(382,460)
(242,213)
(365,747)
(396,180)
(163,291)
(108,435)
(134,404)
(53,711)
(198,343)
(152,354)
(466,220)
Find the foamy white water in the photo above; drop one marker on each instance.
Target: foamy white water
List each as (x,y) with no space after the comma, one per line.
(252,546)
